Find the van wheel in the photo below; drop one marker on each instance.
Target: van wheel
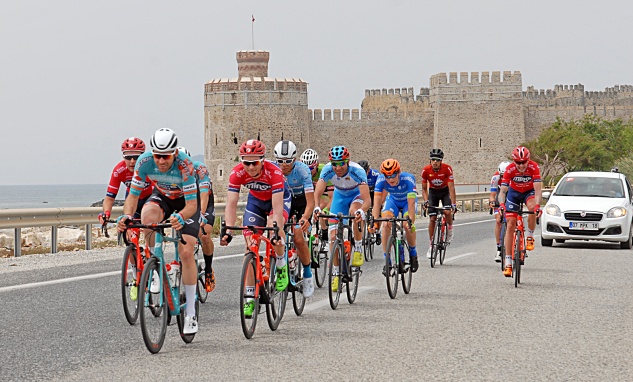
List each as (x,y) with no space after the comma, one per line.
(629,243)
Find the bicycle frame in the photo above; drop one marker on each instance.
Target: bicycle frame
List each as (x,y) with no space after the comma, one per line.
(438,241)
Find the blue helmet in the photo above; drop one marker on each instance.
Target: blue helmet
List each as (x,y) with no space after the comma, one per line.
(339,153)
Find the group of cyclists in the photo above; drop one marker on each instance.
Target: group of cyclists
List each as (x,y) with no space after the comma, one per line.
(165,184)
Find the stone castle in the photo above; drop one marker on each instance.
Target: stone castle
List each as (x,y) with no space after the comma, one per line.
(476,118)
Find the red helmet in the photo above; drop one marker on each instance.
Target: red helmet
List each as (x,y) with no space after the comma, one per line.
(133,144)
(521,154)
(252,147)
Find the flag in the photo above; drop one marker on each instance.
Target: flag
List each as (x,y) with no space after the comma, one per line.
(253,17)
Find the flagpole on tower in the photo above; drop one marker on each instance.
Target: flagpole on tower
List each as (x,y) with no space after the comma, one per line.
(253,31)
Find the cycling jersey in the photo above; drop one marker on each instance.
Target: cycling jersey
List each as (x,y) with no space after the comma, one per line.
(398,196)
(121,175)
(495,182)
(521,182)
(347,184)
(437,179)
(315,178)
(205,185)
(177,182)
(372,178)
(269,182)
(300,179)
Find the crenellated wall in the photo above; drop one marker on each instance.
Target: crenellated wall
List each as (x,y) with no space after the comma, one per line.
(477,118)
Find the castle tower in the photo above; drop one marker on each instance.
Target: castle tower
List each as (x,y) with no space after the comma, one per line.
(478,121)
(251,106)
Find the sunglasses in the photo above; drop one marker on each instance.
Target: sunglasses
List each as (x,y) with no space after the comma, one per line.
(163,156)
(339,163)
(392,175)
(435,160)
(251,163)
(285,161)
(130,157)
(524,162)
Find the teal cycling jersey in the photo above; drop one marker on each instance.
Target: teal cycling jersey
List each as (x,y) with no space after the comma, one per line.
(177,182)
(300,179)
(202,173)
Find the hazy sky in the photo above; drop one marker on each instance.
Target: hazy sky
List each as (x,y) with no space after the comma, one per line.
(78,77)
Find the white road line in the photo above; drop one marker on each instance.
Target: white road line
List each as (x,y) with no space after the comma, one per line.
(455,258)
(321,303)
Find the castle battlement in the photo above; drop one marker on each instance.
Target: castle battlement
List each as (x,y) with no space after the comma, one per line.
(579,93)
(476,79)
(345,115)
(255,83)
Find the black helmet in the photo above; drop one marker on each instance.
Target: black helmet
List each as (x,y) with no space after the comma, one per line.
(364,164)
(437,154)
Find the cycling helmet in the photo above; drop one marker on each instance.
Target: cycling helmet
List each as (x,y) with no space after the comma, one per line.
(521,154)
(502,166)
(133,144)
(285,150)
(164,141)
(437,154)
(390,167)
(252,147)
(364,164)
(339,153)
(310,157)
(184,150)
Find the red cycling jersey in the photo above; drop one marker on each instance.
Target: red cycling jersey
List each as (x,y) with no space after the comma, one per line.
(521,182)
(121,174)
(437,179)
(269,182)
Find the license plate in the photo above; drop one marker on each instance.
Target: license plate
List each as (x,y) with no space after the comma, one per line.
(583,226)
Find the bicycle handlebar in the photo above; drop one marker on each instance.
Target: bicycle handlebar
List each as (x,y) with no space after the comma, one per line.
(252,228)
(444,208)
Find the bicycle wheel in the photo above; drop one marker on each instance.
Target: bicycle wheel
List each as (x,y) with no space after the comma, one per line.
(435,243)
(153,314)
(407,275)
(391,267)
(180,319)
(248,267)
(319,253)
(202,291)
(516,259)
(352,284)
(336,253)
(276,302)
(502,241)
(368,244)
(129,285)
(298,301)
(443,244)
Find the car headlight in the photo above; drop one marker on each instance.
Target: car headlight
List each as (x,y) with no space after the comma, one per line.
(552,209)
(616,212)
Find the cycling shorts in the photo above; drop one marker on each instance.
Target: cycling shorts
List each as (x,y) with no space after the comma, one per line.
(436,195)
(209,214)
(342,203)
(514,198)
(298,207)
(192,225)
(395,207)
(139,208)
(258,210)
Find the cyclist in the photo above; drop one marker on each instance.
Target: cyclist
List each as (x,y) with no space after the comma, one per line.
(207,218)
(299,180)
(132,148)
(521,183)
(398,191)
(268,195)
(311,158)
(438,177)
(351,196)
(494,203)
(372,178)
(174,198)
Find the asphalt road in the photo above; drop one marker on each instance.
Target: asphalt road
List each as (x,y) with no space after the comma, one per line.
(571,319)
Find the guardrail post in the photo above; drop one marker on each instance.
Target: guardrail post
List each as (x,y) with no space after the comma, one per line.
(54,239)
(88,236)
(17,242)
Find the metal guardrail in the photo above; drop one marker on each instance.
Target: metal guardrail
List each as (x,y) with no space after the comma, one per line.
(17,219)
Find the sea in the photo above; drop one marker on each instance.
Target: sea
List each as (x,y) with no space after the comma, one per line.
(84,195)
(52,196)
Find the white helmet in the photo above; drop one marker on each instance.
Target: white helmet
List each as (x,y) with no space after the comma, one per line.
(309,157)
(184,150)
(285,149)
(164,141)
(502,166)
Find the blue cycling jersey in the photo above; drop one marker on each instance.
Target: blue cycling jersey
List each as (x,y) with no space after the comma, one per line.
(300,179)
(400,192)
(347,184)
(177,182)
(372,178)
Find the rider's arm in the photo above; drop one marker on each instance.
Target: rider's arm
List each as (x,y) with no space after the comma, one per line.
(364,194)
(538,187)
(411,202)
(278,208)
(502,194)
(230,210)
(425,191)
(309,206)
(375,210)
(204,201)
(451,192)
(108,202)
(318,191)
